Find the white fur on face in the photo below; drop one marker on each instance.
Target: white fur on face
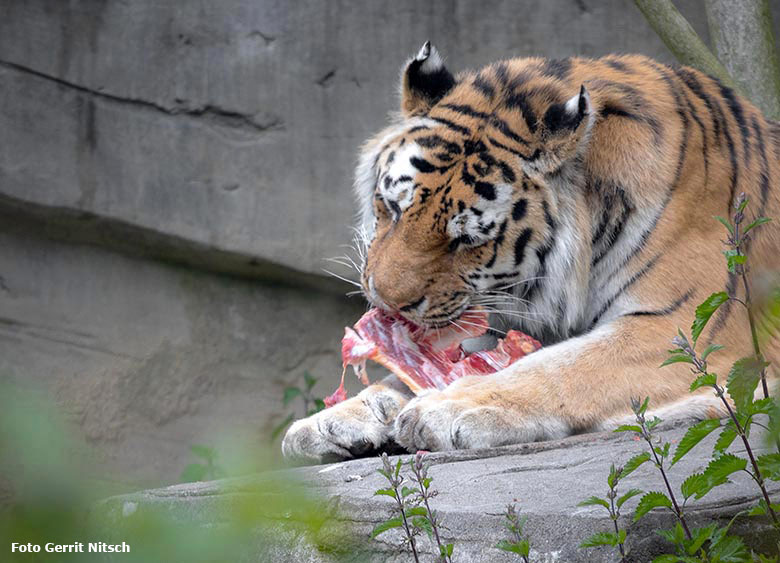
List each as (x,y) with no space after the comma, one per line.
(481,221)
(396,185)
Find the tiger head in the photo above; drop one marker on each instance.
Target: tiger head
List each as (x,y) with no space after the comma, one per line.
(459,197)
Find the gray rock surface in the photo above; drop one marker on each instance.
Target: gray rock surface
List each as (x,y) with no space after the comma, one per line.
(545,479)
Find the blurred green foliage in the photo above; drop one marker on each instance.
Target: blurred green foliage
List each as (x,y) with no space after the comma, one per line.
(47,495)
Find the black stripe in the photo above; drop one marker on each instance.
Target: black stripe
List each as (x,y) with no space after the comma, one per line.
(636,277)
(666,310)
(739,117)
(433,141)
(449,124)
(481,84)
(422,165)
(506,172)
(411,306)
(557,68)
(764,166)
(466,110)
(519,209)
(486,190)
(503,126)
(498,241)
(520,244)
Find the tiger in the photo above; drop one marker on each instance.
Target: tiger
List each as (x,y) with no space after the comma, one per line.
(573,199)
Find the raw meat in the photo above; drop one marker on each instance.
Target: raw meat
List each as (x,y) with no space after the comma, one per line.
(425,358)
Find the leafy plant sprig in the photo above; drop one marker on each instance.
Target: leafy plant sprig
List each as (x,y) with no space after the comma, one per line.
(423,481)
(737,241)
(613,504)
(408,510)
(660,453)
(517,544)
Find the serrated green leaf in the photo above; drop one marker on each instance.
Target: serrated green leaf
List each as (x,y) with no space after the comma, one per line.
(628,428)
(730,549)
(449,548)
(759,509)
(600,538)
(633,463)
(757,222)
(700,535)
(710,349)
(643,408)
(622,535)
(612,478)
(705,311)
(666,559)
(594,501)
(652,423)
(761,406)
(289,395)
(718,470)
(677,359)
(743,380)
(629,494)
(702,380)
(693,436)
(725,223)
(693,484)
(520,548)
(309,380)
(769,466)
(725,439)
(649,501)
(733,258)
(385,492)
(675,536)
(382,527)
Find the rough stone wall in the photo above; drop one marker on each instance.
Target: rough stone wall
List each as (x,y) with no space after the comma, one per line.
(172,174)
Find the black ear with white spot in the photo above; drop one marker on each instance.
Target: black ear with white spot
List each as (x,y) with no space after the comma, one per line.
(569,116)
(425,81)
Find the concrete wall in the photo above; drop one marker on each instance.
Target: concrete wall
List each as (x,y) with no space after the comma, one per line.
(162,162)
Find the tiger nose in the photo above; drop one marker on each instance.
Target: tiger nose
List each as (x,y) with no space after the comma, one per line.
(395,298)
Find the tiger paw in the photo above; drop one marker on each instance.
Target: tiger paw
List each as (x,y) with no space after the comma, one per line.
(346,430)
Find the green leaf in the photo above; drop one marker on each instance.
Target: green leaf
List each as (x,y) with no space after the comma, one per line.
(762,406)
(693,436)
(289,394)
(600,538)
(193,472)
(718,470)
(710,349)
(757,222)
(386,492)
(593,501)
(628,428)
(725,439)
(675,536)
(382,527)
(700,535)
(725,223)
(705,311)
(649,501)
(702,380)
(769,466)
(279,428)
(204,452)
(759,509)
(406,491)
(520,548)
(643,408)
(730,549)
(666,559)
(677,359)
(309,380)
(319,405)
(622,536)
(415,511)
(629,494)
(743,380)
(613,477)
(693,484)
(446,550)
(633,463)
(424,524)
(733,257)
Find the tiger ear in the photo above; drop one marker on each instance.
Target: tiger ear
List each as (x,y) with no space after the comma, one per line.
(568,117)
(424,82)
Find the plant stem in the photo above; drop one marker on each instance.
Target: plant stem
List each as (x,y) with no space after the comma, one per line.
(756,472)
(659,464)
(409,535)
(613,513)
(419,476)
